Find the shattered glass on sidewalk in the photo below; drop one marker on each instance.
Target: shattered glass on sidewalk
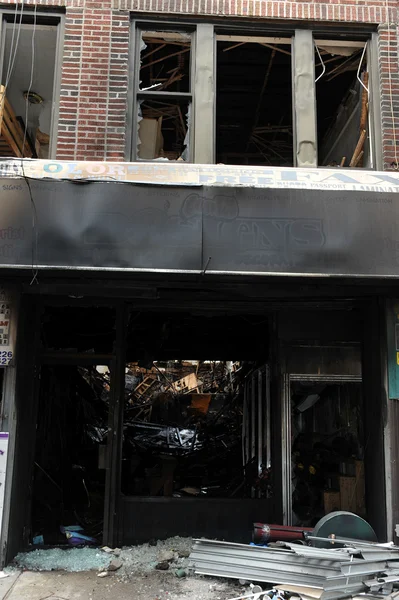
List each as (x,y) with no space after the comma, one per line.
(72,560)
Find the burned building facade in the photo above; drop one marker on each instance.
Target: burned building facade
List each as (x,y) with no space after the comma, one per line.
(199,257)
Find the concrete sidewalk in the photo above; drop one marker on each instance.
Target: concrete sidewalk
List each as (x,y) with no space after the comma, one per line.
(65,586)
(58,585)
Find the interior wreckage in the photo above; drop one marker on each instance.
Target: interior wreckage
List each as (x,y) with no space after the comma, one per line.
(191,428)
(254,112)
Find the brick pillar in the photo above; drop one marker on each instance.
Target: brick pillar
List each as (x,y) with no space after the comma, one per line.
(389,85)
(94,83)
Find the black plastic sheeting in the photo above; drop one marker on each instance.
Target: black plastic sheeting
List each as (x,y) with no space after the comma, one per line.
(217,229)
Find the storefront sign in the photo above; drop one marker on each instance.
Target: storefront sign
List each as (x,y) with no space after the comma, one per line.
(182,174)
(234,230)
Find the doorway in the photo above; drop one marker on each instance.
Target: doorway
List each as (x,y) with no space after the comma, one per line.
(323,421)
(68,488)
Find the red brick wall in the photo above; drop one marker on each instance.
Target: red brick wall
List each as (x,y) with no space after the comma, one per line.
(95,62)
(94,83)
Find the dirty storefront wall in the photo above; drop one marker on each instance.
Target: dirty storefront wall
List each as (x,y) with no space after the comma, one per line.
(194,397)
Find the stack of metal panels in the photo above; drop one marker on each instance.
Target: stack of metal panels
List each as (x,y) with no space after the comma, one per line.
(337,572)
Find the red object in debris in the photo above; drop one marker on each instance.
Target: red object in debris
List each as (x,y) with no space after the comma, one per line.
(264,533)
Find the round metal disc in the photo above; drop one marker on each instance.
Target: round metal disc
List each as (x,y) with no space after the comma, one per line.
(342,524)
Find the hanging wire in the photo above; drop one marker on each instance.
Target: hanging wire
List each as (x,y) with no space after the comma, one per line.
(32,69)
(324,66)
(10,54)
(11,65)
(12,42)
(32,201)
(360,66)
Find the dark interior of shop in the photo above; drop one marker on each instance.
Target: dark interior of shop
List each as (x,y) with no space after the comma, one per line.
(195,425)
(327,428)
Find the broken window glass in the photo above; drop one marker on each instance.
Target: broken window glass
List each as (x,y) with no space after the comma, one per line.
(342,95)
(164,96)
(163,129)
(165,61)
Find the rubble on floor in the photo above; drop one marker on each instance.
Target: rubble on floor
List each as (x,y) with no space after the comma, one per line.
(141,560)
(137,571)
(56,559)
(316,566)
(127,562)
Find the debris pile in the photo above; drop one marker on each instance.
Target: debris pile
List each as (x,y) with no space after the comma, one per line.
(183,429)
(72,560)
(354,567)
(142,560)
(127,562)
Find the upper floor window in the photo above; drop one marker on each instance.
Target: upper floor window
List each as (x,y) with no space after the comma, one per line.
(28,78)
(163,95)
(207,95)
(342,101)
(254,119)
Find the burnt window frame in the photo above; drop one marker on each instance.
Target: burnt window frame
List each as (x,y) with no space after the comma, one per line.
(203,138)
(140,95)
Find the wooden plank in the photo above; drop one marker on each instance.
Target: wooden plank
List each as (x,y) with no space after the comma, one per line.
(342,43)
(347,487)
(359,148)
(13,126)
(332,501)
(277,49)
(186,384)
(360,488)
(252,39)
(153,51)
(154,62)
(365,97)
(359,159)
(10,116)
(233,46)
(16,130)
(5,132)
(174,36)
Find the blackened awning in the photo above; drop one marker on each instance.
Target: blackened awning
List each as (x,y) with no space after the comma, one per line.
(173,217)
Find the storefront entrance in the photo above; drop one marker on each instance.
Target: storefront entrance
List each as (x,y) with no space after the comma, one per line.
(184,415)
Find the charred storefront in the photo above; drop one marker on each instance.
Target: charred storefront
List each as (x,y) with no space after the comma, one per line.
(194,357)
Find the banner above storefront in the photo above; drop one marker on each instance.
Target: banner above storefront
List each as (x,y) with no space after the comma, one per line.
(183,174)
(237,230)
